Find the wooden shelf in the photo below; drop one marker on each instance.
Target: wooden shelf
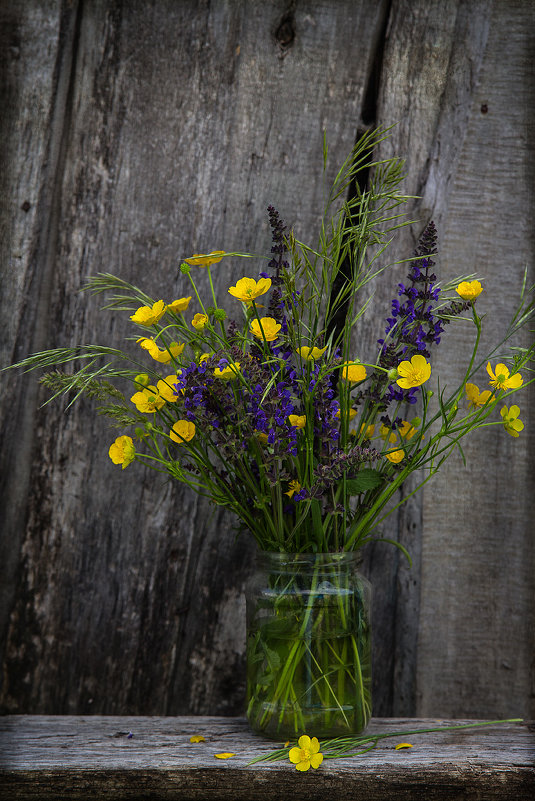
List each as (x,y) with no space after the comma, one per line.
(79,757)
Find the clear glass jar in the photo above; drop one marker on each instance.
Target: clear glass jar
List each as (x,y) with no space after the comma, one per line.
(308,646)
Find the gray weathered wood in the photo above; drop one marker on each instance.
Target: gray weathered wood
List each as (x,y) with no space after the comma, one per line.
(135,134)
(78,757)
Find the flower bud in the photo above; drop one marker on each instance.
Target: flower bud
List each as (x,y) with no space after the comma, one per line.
(185,269)
(142,379)
(392,374)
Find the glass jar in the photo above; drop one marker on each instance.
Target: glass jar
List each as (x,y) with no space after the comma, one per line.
(308,646)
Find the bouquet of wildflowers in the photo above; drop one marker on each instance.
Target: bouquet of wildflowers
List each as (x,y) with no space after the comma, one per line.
(267,408)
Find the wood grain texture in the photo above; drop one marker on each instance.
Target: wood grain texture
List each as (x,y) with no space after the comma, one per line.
(137,133)
(74,757)
(181,122)
(461,622)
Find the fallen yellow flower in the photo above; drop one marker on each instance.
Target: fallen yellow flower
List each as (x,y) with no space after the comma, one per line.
(306,754)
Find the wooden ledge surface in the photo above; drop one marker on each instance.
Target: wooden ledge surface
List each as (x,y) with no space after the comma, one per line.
(79,757)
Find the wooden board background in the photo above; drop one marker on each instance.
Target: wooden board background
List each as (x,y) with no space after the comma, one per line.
(135,133)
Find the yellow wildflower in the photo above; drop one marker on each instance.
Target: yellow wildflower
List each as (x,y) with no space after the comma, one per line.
(297,420)
(413,373)
(350,412)
(353,372)
(161,355)
(306,754)
(142,379)
(311,353)
(469,290)
(197,738)
(293,487)
(500,378)
(268,328)
(406,430)
(228,372)
(199,321)
(148,315)
(510,420)
(179,305)
(369,431)
(205,259)
(261,437)
(182,431)
(247,289)
(387,433)
(167,390)
(122,451)
(395,456)
(475,397)
(148,400)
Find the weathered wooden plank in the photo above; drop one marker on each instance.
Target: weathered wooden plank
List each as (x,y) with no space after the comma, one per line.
(457,629)
(74,757)
(179,123)
(484,541)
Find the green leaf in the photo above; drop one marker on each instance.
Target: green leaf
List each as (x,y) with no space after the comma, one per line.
(366,479)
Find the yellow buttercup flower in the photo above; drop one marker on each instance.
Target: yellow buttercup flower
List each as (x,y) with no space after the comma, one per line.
(163,355)
(142,379)
(306,754)
(166,388)
(413,373)
(148,315)
(148,400)
(351,413)
(368,431)
(386,432)
(182,431)
(122,451)
(311,353)
(293,487)
(199,321)
(179,305)
(247,289)
(406,430)
(501,379)
(228,372)
(395,456)
(205,259)
(353,372)
(268,328)
(297,420)
(261,436)
(475,397)
(469,290)
(510,420)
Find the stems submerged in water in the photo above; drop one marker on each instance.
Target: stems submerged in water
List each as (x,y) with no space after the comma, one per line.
(308,650)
